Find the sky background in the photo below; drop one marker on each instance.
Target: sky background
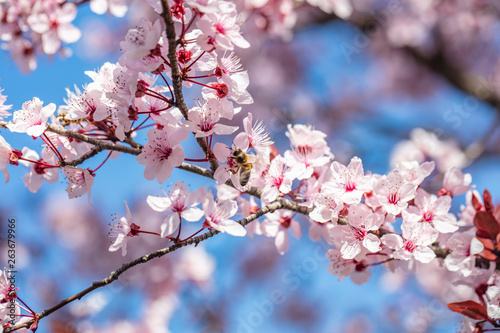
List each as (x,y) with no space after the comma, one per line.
(301,275)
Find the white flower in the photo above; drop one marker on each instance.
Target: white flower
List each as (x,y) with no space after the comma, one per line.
(32,119)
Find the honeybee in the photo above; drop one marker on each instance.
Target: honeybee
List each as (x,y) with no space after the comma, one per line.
(66,122)
(244,166)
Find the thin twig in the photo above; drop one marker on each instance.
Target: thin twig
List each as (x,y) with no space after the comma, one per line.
(141,260)
(176,77)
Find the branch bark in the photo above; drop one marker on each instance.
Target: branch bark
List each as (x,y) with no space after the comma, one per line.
(141,260)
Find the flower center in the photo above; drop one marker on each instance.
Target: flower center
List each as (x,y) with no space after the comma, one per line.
(304,150)
(359,233)
(409,246)
(350,186)
(285,221)
(428,216)
(393,198)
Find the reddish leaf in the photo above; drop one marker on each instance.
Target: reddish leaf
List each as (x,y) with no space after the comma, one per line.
(488,204)
(475,202)
(486,225)
(470,309)
(488,247)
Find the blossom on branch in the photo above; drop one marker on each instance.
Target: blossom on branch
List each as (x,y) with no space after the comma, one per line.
(218,216)
(163,152)
(32,119)
(181,203)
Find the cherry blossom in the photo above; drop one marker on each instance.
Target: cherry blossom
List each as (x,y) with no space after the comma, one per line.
(455,182)
(142,40)
(38,172)
(415,173)
(358,235)
(53,21)
(247,208)
(84,105)
(279,179)
(122,231)
(277,225)
(349,183)
(236,80)
(80,182)
(464,249)
(117,8)
(3,107)
(327,206)
(32,119)
(181,202)
(434,210)
(309,148)
(163,152)
(7,156)
(218,216)
(393,193)
(204,120)
(220,30)
(9,308)
(258,138)
(358,270)
(415,241)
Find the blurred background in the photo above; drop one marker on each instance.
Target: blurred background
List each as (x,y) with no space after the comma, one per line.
(367,81)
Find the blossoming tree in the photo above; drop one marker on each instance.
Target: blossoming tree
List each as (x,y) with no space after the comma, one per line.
(402,219)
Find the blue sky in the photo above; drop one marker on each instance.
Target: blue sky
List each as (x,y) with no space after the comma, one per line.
(121,179)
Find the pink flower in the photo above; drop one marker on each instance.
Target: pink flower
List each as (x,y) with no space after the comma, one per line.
(276,225)
(122,232)
(23,53)
(356,236)
(7,297)
(279,179)
(53,21)
(204,120)
(249,207)
(218,216)
(455,182)
(258,138)
(7,156)
(38,173)
(309,148)
(327,206)
(465,248)
(349,183)
(32,119)
(230,73)
(181,203)
(434,210)
(163,152)
(80,182)
(358,270)
(117,8)
(3,107)
(415,241)
(220,30)
(142,40)
(84,105)
(393,193)
(415,173)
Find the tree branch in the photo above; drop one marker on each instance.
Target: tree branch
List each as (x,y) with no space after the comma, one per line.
(141,260)
(176,77)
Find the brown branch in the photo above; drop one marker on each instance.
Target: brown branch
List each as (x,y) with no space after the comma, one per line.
(176,77)
(141,260)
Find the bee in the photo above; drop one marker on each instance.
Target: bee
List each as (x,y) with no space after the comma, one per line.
(244,166)
(66,122)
